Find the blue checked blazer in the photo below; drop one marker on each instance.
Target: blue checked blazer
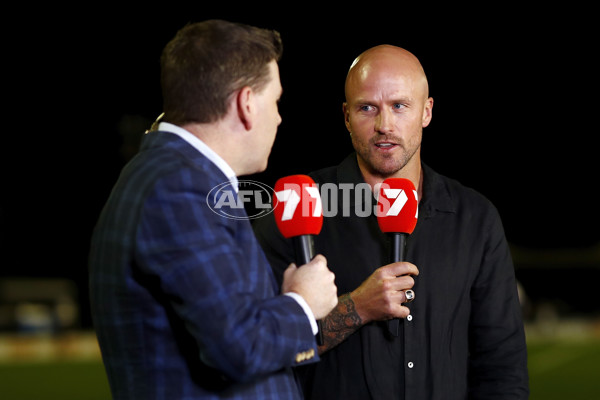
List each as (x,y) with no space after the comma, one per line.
(184,302)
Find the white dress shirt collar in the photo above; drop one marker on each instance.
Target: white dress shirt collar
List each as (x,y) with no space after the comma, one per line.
(202,148)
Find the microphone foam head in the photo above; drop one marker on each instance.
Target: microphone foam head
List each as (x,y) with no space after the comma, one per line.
(397,206)
(297,206)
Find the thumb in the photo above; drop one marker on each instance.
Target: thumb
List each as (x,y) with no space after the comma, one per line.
(289,270)
(287,277)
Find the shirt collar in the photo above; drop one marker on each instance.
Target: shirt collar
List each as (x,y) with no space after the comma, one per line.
(436,194)
(199,145)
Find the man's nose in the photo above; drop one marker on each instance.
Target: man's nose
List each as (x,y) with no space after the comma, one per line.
(384,122)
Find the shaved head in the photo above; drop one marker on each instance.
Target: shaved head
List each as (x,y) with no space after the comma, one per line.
(383,57)
(387,106)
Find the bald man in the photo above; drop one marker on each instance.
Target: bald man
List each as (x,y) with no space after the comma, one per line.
(462,336)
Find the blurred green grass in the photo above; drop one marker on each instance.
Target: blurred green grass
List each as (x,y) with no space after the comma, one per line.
(564,369)
(65,380)
(558,368)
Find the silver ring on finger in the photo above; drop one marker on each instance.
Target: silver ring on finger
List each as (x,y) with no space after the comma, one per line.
(410,295)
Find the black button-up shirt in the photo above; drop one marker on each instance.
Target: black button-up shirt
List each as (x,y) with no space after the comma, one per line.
(464,336)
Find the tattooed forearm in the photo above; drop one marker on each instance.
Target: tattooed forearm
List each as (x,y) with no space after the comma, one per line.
(340,323)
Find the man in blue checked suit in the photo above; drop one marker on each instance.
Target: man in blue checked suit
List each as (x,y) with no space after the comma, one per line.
(184,302)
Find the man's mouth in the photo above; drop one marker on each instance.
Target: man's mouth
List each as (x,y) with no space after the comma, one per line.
(385,145)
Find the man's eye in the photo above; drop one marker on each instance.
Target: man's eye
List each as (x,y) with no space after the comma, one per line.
(398,106)
(366,108)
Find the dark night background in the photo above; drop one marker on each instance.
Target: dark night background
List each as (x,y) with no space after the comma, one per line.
(515,95)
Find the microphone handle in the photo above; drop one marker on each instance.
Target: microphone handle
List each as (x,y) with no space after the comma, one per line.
(304,250)
(398,246)
(398,253)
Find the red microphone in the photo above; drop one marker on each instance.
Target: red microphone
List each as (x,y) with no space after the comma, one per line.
(299,215)
(397,213)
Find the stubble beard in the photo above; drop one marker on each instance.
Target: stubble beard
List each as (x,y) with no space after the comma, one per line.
(385,165)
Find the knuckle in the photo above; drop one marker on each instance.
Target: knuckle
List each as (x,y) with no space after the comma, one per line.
(387,299)
(380,272)
(385,285)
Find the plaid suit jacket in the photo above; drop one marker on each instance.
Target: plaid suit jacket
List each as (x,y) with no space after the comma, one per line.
(184,302)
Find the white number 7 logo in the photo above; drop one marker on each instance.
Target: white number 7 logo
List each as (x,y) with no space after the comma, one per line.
(291,199)
(401,199)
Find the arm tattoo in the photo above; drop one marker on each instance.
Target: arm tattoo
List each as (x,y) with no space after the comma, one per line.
(340,323)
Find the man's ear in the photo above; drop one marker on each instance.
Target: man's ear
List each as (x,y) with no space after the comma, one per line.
(245,106)
(346,115)
(427,112)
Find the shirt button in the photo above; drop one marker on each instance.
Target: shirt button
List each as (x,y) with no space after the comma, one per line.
(409,317)
(410,364)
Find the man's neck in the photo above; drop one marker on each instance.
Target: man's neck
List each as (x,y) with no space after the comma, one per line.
(217,136)
(412,171)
